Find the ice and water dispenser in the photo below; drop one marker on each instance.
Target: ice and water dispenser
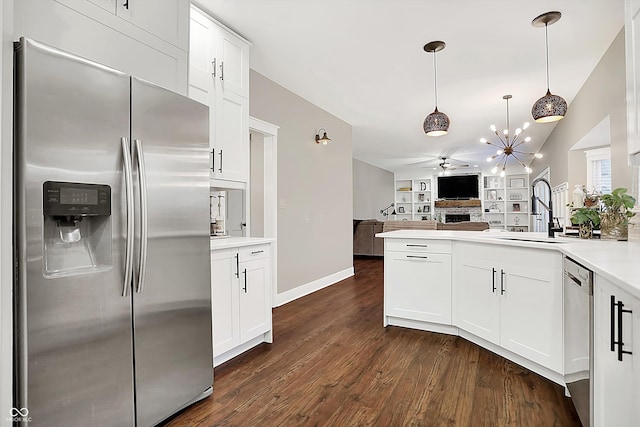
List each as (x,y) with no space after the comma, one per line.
(77,228)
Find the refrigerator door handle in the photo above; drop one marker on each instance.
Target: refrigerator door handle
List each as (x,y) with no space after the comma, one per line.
(142,174)
(128,181)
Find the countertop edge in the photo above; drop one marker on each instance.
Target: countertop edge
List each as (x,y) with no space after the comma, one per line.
(217,243)
(614,261)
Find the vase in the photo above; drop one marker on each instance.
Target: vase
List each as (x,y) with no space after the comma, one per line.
(585,230)
(613,226)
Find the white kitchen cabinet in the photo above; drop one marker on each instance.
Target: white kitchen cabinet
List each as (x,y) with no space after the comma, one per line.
(219,78)
(255,315)
(241,299)
(129,46)
(511,297)
(632,55)
(166,19)
(476,307)
(418,281)
(616,382)
(225,300)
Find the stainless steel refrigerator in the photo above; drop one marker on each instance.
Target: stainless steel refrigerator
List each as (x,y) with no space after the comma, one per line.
(111,217)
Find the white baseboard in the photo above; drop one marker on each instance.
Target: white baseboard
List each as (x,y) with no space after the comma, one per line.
(311,287)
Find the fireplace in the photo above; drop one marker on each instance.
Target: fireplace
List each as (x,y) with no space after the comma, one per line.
(457,217)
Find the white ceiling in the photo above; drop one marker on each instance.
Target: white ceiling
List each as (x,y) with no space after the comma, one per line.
(363,61)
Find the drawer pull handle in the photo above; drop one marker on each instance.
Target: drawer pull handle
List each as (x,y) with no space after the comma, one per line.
(619,342)
(493,280)
(501,282)
(417,246)
(256,252)
(416,256)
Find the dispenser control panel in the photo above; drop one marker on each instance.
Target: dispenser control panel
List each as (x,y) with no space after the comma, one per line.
(75,199)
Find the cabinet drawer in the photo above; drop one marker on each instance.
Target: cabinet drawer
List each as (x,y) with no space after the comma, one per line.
(248,253)
(416,245)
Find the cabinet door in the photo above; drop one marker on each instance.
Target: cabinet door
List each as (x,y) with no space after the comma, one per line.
(224,300)
(418,286)
(255,307)
(632,43)
(233,69)
(476,302)
(231,149)
(615,382)
(531,306)
(203,69)
(167,19)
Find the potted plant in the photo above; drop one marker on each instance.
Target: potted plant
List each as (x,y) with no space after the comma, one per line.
(587,218)
(616,212)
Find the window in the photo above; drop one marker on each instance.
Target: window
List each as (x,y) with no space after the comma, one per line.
(599,170)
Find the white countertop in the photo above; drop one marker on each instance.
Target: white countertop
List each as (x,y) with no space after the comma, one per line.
(618,262)
(235,242)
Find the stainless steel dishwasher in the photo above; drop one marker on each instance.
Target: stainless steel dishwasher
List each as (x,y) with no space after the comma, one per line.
(578,337)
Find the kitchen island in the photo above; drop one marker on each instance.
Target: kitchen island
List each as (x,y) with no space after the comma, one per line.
(504,292)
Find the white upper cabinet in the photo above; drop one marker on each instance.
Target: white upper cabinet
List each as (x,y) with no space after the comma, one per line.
(219,77)
(632,43)
(148,40)
(166,19)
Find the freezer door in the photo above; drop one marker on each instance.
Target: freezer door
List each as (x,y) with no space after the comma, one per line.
(73,331)
(172,306)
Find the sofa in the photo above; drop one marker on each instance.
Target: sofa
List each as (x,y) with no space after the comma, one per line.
(365,241)
(435,225)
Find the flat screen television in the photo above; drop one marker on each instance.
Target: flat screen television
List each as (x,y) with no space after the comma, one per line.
(458,187)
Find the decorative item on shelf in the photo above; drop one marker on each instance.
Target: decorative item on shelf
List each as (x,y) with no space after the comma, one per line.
(516,182)
(492,195)
(516,220)
(421,197)
(587,219)
(616,212)
(549,108)
(436,123)
(324,139)
(515,196)
(419,209)
(385,211)
(508,146)
(401,209)
(404,189)
(516,207)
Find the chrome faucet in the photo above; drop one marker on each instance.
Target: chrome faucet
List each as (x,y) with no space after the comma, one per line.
(551,226)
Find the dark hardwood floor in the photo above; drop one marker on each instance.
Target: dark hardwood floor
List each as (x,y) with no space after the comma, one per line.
(333,364)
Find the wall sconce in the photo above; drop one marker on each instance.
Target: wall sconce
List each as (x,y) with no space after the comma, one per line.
(324,138)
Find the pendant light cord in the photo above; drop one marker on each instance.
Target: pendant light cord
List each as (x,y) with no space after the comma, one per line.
(435,79)
(508,125)
(546,43)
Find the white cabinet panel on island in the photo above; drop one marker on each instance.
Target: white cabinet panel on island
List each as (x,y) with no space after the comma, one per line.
(511,297)
(418,281)
(241,288)
(616,361)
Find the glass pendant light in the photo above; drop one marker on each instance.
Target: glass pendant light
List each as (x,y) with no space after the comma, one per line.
(549,108)
(436,123)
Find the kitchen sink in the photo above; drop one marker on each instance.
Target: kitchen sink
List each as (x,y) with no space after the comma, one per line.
(534,239)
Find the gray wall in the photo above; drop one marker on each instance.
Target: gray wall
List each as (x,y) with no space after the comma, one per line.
(372,190)
(602,95)
(315,200)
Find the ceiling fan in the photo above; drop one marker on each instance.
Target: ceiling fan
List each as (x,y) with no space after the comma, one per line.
(446,166)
